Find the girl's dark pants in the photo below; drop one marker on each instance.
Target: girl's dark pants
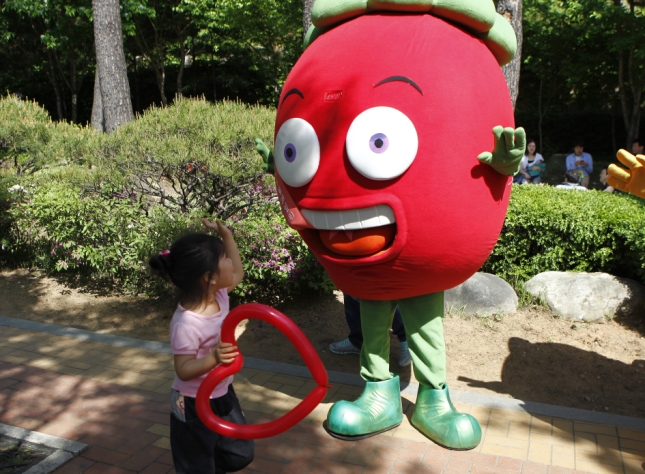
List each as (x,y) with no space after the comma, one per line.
(198,450)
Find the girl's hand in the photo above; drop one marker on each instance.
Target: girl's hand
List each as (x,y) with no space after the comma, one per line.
(217,226)
(224,352)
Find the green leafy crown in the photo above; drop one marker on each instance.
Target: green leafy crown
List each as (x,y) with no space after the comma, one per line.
(478,16)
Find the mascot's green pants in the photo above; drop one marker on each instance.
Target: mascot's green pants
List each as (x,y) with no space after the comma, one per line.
(378,409)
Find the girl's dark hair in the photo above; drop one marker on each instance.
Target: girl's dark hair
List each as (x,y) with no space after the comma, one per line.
(190,257)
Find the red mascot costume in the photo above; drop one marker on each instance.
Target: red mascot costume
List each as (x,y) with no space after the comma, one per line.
(381,163)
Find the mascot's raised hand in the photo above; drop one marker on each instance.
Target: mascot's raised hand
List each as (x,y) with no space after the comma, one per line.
(266,154)
(510,145)
(632,180)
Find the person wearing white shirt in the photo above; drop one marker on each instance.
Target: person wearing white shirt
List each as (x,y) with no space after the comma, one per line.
(532,165)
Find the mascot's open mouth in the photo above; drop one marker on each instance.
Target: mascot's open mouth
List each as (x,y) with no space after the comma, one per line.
(354,232)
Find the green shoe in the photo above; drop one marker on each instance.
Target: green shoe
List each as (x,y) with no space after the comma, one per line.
(436,417)
(378,409)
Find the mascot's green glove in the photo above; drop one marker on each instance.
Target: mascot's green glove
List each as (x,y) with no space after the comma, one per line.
(266,154)
(509,149)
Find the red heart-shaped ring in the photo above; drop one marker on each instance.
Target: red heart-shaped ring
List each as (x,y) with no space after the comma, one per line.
(219,373)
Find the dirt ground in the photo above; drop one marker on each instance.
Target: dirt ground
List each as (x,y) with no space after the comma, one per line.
(529,355)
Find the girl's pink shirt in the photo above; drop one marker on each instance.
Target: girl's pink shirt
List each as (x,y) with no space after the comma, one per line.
(192,333)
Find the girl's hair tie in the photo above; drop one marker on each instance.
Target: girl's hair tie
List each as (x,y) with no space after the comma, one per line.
(165,253)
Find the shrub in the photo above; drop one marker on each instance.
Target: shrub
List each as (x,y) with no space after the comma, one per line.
(564,230)
(59,230)
(277,263)
(109,241)
(191,156)
(30,141)
(219,136)
(148,183)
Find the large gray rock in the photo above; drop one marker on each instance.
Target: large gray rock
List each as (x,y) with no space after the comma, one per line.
(588,296)
(482,294)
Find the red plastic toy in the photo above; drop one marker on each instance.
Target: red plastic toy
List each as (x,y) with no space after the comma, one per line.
(307,352)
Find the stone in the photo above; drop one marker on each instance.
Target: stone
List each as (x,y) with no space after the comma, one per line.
(482,294)
(588,296)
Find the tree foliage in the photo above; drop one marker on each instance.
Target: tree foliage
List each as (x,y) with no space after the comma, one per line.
(574,52)
(582,72)
(218,49)
(49,38)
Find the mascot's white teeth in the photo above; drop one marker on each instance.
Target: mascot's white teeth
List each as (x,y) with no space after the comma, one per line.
(353,219)
(348,233)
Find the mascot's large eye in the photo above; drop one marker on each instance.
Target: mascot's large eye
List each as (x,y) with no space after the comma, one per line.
(382,143)
(297,152)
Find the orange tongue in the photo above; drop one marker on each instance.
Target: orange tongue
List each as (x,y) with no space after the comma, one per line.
(359,242)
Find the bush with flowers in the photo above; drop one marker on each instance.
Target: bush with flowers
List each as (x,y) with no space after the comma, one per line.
(108,241)
(98,212)
(97,206)
(277,263)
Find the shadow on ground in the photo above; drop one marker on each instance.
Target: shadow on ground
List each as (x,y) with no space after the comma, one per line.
(596,382)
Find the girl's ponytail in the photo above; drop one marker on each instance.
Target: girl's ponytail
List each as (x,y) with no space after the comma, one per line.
(161,264)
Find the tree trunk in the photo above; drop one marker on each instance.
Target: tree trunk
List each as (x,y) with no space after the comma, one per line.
(214,78)
(160,72)
(182,65)
(630,105)
(156,54)
(97,106)
(306,15)
(74,90)
(540,112)
(512,11)
(110,64)
(52,78)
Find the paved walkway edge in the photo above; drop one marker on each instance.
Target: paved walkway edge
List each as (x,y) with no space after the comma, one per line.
(65,449)
(409,388)
(35,437)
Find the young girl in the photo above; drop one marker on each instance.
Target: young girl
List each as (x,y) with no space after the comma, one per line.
(205,269)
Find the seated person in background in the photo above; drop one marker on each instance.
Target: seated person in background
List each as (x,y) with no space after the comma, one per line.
(604,176)
(581,162)
(353,343)
(571,181)
(532,165)
(637,146)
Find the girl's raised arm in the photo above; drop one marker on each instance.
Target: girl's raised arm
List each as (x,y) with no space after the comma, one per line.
(231,250)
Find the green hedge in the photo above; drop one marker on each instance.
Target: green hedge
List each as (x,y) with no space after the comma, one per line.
(30,140)
(220,136)
(566,230)
(108,241)
(81,219)
(63,209)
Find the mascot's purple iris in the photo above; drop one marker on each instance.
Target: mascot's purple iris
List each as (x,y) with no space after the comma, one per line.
(290,152)
(379,142)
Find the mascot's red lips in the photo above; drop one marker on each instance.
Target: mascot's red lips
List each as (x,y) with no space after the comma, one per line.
(354,232)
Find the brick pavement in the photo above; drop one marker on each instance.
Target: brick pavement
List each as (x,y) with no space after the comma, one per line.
(114,399)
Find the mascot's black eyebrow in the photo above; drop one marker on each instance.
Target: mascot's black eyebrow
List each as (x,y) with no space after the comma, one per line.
(402,79)
(291,92)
